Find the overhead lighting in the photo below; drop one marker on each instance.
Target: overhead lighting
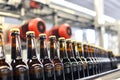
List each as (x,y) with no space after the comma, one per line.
(109,19)
(73,6)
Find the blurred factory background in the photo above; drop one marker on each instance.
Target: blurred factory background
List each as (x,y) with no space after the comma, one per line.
(93,21)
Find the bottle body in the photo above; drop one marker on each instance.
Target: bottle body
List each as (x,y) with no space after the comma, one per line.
(85,66)
(94,59)
(59,69)
(80,67)
(36,70)
(75,68)
(20,70)
(90,66)
(67,69)
(49,73)
(5,71)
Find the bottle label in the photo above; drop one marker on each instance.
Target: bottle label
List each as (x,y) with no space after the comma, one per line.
(84,65)
(74,66)
(89,63)
(68,71)
(21,73)
(80,66)
(36,72)
(5,74)
(49,71)
(58,69)
(67,67)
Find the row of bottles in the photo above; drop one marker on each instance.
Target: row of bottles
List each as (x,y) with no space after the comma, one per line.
(75,60)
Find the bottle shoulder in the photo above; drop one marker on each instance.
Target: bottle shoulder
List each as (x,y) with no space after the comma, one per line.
(78,59)
(18,63)
(65,59)
(34,62)
(47,61)
(5,65)
(72,59)
(56,60)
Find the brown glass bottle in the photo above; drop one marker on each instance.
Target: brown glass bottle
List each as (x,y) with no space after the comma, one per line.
(20,70)
(65,60)
(5,68)
(103,59)
(91,63)
(107,60)
(36,70)
(79,60)
(59,69)
(74,62)
(99,59)
(94,58)
(49,72)
(80,51)
(113,60)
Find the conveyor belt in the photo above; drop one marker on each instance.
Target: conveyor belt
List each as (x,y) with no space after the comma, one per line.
(109,75)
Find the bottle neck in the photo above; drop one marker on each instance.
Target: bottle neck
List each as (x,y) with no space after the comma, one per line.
(75,51)
(92,52)
(62,50)
(79,48)
(70,50)
(89,52)
(99,53)
(31,48)
(53,50)
(43,49)
(85,51)
(110,54)
(16,47)
(2,54)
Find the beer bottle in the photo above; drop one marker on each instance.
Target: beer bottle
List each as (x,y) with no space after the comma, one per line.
(85,63)
(80,62)
(103,59)
(59,72)
(65,60)
(94,58)
(35,66)
(20,70)
(49,72)
(87,56)
(72,59)
(5,68)
(108,60)
(110,57)
(113,59)
(90,60)
(100,59)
